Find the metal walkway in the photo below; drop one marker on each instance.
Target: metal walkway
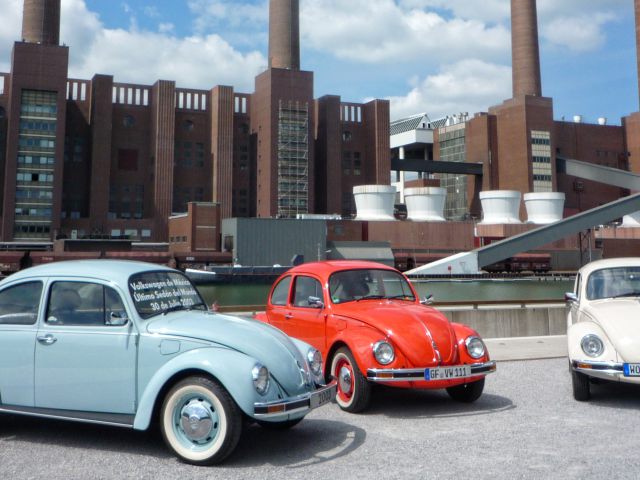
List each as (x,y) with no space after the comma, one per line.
(473,261)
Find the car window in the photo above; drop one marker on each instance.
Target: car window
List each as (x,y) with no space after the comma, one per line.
(82,303)
(19,304)
(352,285)
(280,293)
(614,282)
(306,287)
(159,292)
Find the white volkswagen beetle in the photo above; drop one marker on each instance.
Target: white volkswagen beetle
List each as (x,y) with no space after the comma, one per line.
(603,324)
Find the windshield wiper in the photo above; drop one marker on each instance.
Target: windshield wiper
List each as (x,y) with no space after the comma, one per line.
(370,297)
(402,297)
(174,309)
(627,294)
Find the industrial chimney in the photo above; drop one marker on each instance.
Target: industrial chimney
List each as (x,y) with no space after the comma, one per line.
(284,34)
(41,22)
(525,52)
(636,6)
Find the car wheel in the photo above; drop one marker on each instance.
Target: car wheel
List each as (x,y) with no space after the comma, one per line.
(354,390)
(467,392)
(200,421)
(287,424)
(581,387)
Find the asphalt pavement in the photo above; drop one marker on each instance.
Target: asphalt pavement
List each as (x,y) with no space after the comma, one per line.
(525,426)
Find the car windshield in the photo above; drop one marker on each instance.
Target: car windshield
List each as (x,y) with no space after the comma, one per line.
(160,292)
(613,283)
(365,284)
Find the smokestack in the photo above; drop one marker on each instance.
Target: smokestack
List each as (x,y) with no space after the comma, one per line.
(524,48)
(284,34)
(41,21)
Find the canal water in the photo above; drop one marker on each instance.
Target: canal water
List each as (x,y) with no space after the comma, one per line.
(543,288)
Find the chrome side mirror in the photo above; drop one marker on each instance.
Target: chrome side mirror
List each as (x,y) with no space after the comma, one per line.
(428,300)
(570,298)
(117,319)
(315,302)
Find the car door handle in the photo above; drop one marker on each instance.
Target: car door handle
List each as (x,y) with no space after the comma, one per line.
(47,339)
(289,316)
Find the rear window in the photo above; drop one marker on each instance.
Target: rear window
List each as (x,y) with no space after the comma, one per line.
(159,292)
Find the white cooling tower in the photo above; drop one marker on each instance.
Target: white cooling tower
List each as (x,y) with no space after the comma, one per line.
(631,221)
(374,202)
(425,204)
(500,206)
(544,207)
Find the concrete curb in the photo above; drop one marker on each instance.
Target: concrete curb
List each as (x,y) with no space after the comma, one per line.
(527,348)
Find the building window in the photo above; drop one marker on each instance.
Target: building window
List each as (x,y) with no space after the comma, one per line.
(346,136)
(346,163)
(128,121)
(188,125)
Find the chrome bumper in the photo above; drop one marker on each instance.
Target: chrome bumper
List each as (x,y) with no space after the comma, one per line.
(300,403)
(598,369)
(417,374)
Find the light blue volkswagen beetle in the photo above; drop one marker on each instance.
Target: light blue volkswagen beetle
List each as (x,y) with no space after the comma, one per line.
(126,343)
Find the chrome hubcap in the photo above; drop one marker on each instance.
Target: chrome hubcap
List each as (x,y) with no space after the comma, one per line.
(196,421)
(344,378)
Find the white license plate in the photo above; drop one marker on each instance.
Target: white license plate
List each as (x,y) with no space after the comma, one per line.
(322,397)
(447,373)
(631,369)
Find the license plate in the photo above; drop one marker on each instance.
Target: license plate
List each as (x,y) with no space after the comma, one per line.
(631,369)
(322,397)
(447,373)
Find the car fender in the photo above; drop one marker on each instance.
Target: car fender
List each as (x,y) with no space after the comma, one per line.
(577,331)
(231,368)
(462,333)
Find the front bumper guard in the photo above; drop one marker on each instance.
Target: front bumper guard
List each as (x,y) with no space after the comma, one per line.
(300,403)
(417,374)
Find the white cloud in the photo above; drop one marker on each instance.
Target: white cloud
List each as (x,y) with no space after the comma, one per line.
(469,85)
(10,30)
(212,13)
(578,33)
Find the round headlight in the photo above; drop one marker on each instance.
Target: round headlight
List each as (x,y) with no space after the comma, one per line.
(314,357)
(260,376)
(592,345)
(383,351)
(475,347)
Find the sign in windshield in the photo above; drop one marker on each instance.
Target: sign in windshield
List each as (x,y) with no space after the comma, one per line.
(160,292)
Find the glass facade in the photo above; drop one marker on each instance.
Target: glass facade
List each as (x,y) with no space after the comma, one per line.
(452,149)
(293,159)
(541,161)
(35,164)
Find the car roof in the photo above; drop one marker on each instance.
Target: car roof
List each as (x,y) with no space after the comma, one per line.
(328,267)
(610,263)
(118,271)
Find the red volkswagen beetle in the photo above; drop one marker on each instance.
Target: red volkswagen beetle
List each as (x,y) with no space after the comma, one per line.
(367,321)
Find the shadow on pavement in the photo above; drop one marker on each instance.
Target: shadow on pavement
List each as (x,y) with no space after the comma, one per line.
(309,443)
(615,395)
(405,403)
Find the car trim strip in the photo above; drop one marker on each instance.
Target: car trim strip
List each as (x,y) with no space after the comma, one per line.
(600,367)
(416,374)
(113,419)
(299,403)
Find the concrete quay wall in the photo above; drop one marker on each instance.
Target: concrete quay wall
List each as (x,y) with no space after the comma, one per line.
(504,321)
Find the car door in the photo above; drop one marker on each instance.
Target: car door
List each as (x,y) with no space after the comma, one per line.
(86,350)
(19,307)
(278,311)
(307,311)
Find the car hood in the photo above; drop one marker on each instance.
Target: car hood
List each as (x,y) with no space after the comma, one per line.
(266,344)
(412,327)
(620,320)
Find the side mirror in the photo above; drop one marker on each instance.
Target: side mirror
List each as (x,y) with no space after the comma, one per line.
(315,302)
(570,298)
(117,319)
(428,300)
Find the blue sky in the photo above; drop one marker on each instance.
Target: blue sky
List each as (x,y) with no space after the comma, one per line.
(435,56)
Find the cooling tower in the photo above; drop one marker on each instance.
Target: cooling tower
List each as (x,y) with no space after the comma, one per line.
(500,206)
(525,54)
(544,207)
(374,202)
(41,21)
(425,204)
(631,221)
